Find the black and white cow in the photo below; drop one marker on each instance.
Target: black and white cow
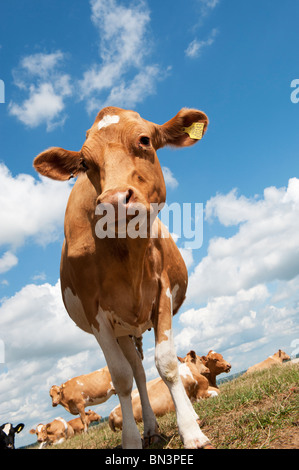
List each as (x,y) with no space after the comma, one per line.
(7,435)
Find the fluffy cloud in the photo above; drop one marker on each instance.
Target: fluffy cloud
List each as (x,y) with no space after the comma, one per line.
(245,290)
(43,347)
(30,208)
(40,75)
(7,261)
(265,247)
(170,181)
(122,78)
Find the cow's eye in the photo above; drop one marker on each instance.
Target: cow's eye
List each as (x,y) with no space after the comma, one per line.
(144,141)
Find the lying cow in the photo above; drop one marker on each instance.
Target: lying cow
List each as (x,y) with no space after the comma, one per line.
(196,386)
(77,425)
(85,390)
(7,435)
(53,433)
(278,358)
(121,272)
(216,365)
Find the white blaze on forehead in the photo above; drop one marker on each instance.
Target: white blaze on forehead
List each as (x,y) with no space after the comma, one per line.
(107,121)
(7,428)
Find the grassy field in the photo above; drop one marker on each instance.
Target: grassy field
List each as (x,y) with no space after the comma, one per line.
(258,411)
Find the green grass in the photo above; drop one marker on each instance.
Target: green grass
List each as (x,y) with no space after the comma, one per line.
(257,411)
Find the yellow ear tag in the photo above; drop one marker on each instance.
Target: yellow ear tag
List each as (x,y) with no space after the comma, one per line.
(195,131)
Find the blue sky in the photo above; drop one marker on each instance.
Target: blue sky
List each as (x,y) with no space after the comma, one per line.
(61,62)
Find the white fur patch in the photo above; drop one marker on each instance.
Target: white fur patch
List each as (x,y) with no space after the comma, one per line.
(75,309)
(7,428)
(107,121)
(184,371)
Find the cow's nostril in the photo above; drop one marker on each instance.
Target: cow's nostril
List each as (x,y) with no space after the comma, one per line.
(129,195)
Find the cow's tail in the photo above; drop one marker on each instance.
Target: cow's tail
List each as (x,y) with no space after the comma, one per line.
(138,344)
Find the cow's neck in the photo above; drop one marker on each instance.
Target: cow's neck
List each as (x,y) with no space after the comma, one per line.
(129,256)
(212,378)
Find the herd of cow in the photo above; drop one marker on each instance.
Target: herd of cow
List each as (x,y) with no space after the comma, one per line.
(198,375)
(122,273)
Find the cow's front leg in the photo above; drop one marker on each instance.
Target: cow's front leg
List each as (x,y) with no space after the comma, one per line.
(122,378)
(151,429)
(167,365)
(81,409)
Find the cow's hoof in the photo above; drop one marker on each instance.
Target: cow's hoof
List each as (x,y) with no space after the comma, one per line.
(208,446)
(153,439)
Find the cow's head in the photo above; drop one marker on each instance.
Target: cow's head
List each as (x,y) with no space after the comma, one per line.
(41,432)
(7,435)
(93,416)
(282,355)
(215,362)
(119,157)
(192,359)
(55,394)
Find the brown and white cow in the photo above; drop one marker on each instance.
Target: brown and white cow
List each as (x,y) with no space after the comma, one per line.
(196,386)
(117,286)
(217,365)
(77,425)
(53,433)
(85,390)
(278,358)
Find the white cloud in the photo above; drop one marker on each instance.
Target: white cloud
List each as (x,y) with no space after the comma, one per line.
(245,290)
(196,46)
(170,181)
(265,247)
(123,77)
(8,261)
(40,77)
(206,6)
(29,208)
(43,347)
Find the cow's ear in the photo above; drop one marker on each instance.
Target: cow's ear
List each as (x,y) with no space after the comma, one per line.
(19,427)
(185,129)
(192,355)
(59,164)
(180,359)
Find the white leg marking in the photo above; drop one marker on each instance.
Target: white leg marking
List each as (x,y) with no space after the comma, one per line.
(166,362)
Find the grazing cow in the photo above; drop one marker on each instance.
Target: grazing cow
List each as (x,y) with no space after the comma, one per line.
(122,273)
(53,433)
(196,386)
(77,425)
(278,358)
(216,364)
(7,435)
(85,390)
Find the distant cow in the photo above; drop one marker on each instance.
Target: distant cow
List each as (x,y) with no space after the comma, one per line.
(85,390)
(217,365)
(277,358)
(196,386)
(77,425)
(7,435)
(53,433)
